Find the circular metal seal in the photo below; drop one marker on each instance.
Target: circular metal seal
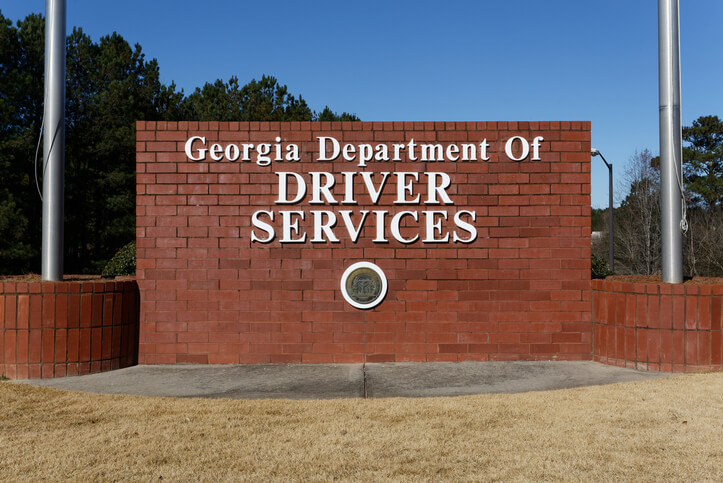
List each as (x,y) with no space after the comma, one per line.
(364,285)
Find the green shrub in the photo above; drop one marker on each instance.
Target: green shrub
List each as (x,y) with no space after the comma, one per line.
(600,267)
(123,262)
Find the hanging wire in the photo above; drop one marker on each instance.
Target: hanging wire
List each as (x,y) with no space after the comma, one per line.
(37,150)
(679,179)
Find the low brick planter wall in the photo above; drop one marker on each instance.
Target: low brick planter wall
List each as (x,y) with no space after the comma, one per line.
(56,329)
(657,326)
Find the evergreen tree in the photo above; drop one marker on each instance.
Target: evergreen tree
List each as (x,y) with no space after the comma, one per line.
(263,100)
(21,94)
(703,161)
(109,86)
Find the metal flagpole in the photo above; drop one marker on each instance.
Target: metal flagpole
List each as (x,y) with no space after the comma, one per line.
(671,177)
(54,141)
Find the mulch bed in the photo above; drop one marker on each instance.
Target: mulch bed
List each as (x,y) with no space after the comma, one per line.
(35,277)
(659,279)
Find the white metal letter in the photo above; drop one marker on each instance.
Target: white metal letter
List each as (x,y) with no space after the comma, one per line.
(536,148)
(317,189)
(262,225)
(525,148)
(201,151)
(433,189)
(283,180)
(468,227)
(403,188)
(396,220)
(325,228)
(354,232)
(322,148)
(433,227)
(289,227)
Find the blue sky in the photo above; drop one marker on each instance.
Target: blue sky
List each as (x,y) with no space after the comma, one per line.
(444,60)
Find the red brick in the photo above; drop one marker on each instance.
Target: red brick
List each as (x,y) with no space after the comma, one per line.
(691,348)
(641,311)
(691,312)
(85,345)
(73,345)
(678,349)
(716,344)
(48,345)
(704,348)
(631,316)
(630,344)
(716,314)
(436,273)
(653,346)
(22,346)
(641,345)
(666,346)
(679,317)
(23,312)
(620,343)
(10,308)
(704,320)
(10,347)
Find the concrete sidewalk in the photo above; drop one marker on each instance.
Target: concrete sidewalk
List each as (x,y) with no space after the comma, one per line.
(329,381)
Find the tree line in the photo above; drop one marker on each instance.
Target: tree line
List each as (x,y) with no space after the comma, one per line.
(636,230)
(109,85)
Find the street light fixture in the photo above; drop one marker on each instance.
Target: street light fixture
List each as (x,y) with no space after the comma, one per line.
(611,252)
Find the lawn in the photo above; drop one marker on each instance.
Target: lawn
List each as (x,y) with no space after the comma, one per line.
(665,429)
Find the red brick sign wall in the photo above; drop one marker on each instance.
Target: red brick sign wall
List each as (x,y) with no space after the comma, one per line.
(482,230)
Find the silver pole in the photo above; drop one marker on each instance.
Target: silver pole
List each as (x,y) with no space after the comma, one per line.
(671,177)
(54,140)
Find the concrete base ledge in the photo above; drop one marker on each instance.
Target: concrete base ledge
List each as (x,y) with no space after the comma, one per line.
(330,381)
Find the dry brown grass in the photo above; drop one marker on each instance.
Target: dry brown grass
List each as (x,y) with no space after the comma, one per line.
(666,429)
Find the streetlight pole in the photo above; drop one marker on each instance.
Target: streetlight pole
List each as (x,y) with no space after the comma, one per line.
(611,250)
